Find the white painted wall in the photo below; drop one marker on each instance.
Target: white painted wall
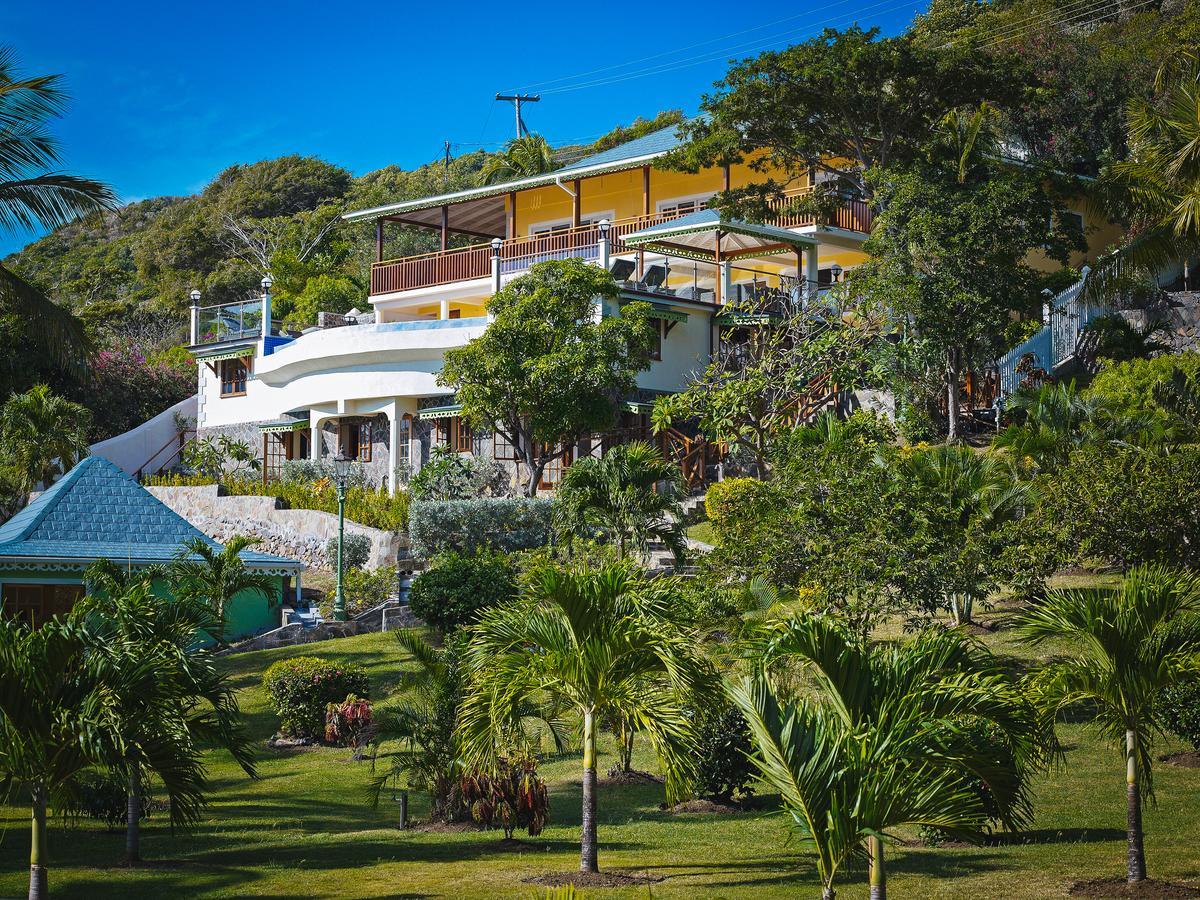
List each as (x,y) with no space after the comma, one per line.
(143,446)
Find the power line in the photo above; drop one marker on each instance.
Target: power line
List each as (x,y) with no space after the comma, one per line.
(1076,19)
(1020,23)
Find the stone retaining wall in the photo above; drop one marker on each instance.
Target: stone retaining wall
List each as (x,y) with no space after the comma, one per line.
(295,633)
(295,533)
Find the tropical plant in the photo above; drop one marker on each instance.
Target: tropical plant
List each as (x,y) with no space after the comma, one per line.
(1181,711)
(33,195)
(1049,421)
(453,476)
(455,589)
(301,689)
(504,524)
(515,796)
(883,740)
(180,702)
(221,456)
(42,435)
(216,576)
(630,497)
(526,155)
(1158,185)
(57,717)
(600,642)
(1122,647)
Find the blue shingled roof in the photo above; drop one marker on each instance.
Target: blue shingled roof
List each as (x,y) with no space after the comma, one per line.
(656,142)
(97,511)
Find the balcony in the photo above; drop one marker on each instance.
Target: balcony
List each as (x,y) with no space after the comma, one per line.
(238,321)
(518,254)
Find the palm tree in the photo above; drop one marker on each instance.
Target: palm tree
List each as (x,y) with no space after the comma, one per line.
(42,435)
(974,494)
(630,497)
(1123,646)
(924,733)
(184,701)
(33,195)
(56,718)
(1051,421)
(1158,186)
(524,156)
(601,643)
(218,576)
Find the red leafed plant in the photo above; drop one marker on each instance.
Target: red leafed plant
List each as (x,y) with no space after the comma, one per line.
(512,797)
(348,724)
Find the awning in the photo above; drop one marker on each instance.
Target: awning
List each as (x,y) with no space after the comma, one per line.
(239,353)
(745,318)
(639,406)
(439,412)
(694,236)
(283,425)
(658,311)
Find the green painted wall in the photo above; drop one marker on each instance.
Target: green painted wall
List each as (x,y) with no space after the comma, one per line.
(248,613)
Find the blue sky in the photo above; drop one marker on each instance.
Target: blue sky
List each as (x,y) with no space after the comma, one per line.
(165,95)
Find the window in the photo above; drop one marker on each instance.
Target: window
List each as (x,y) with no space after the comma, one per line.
(36,603)
(659,334)
(403,439)
(683,206)
(303,445)
(1071,222)
(354,440)
(452,433)
(553,473)
(544,228)
(279,450)
(502,448)
(233,374)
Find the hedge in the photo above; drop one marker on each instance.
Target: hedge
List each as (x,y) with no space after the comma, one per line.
(457,588)
(466,526)
(302,687)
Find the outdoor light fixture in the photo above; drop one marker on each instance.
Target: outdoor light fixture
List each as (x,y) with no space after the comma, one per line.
(341,478)
(496,244)
(267,282)
(836,271)
(604,225)
(195,295)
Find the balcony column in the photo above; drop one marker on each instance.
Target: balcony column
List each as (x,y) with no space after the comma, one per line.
(194,318)
(393,415)
(496,245)
(379,240)
(314,439)
(445,229)
(810,270)
(719,291)
(264,329)
(576,204)
(444,310)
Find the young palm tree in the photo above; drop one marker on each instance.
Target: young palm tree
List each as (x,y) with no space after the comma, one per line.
(218,576)
(524,156)
(601,643)
(57,717)
(891,736)
(1158,186)
(630,496)
(1124,645)
(1052,420)
(186,701)
(42,435)
(977,492)
(33,195)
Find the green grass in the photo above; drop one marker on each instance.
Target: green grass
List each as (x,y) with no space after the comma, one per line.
(304,829)
(703,532)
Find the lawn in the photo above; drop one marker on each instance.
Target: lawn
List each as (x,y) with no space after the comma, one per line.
(304,828)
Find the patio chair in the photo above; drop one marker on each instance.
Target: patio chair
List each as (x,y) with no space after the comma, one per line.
(654,278)
(621,269)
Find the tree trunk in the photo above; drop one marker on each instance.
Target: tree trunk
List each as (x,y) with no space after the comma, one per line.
(878,876)
(1136,852)
(626,745)
(952,395)
(133,818)
(828,893)
(39,887)
(588,843)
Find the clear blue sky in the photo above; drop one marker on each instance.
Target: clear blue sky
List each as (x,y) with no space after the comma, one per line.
(165,95)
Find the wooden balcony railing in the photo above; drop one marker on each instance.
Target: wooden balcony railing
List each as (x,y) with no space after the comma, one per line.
(517,254)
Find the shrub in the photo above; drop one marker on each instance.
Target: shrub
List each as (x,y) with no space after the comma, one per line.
(366,589)
(348,724)
(457,588)
(724,768)
(514,797)
(1181,711)
(366,506)
(356,551)
(453,476)
(302,688)
(465,526)
(1127,389)
(308,471)
(102,796)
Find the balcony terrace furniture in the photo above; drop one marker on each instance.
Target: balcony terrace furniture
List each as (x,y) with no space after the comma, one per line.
(654,278)
(621,269)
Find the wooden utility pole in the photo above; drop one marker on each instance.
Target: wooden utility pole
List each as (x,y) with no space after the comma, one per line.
(517,100)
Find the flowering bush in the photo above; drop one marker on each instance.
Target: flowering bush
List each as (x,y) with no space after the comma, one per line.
(348,724)
(513,797)
(124,390)
(302,688)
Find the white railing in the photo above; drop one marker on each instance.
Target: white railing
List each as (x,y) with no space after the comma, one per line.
(1055,343)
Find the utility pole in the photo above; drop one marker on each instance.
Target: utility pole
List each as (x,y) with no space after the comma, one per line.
(517,100)
(446,164)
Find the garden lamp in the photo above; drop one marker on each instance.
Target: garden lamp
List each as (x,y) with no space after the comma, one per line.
(195,295)
(836,271)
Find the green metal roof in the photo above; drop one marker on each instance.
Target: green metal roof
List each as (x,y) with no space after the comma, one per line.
(439,412)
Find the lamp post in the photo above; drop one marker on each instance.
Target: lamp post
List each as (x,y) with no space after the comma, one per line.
(264,333)
(195,316)
(341,477)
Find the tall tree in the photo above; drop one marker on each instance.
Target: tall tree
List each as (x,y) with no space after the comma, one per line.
(526,155)
(603,643)
(183,701)
(1122,647)
(819,106)
(890,735)
(216,577)
(630,496)
(550,368)
(42,436)
(34,195)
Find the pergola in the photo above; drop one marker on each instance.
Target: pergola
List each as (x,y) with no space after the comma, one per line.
(708,237)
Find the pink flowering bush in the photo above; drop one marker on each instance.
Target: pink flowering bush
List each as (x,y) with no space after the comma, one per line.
(123,390)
